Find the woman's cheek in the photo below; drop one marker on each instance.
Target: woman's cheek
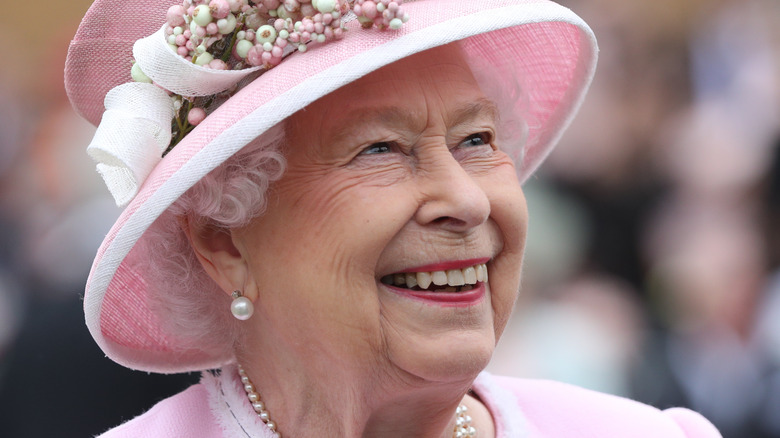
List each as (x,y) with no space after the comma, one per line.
(507,289)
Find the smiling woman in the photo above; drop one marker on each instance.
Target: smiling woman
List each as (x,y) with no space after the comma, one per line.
(339,233)
(441,200)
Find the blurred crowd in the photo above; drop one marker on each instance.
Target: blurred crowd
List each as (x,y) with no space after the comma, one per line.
(653,267)
(653,262)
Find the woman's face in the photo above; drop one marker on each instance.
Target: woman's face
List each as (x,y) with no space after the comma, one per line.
(396,173)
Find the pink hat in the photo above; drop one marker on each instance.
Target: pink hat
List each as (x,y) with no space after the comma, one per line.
(545,47)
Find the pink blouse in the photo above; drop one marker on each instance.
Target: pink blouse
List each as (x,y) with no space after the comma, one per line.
(217,408)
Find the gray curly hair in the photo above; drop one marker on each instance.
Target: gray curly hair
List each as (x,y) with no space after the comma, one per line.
(228,197)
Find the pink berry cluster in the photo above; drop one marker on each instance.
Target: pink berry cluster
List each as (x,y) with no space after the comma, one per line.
(380,13)
(224,34)
(237,34)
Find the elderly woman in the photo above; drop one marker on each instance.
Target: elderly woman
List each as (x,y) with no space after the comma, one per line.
(323,207)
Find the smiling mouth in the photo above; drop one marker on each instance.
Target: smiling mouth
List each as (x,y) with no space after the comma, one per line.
(451,280)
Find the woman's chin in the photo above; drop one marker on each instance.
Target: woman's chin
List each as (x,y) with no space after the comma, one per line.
(452,357)
(437,342)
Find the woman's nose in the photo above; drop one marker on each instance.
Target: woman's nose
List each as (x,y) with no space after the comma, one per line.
(452,199)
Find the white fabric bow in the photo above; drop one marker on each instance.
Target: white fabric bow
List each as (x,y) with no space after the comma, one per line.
(132,135)
(174,73)
(136,127)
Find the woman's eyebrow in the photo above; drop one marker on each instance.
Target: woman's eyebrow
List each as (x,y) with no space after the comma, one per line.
(398,117)
(389,115)
(480,108)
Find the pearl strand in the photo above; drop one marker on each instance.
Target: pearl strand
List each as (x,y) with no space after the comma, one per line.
(257,404)
(463,427)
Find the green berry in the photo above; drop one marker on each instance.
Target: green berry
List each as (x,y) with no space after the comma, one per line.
(325,6)
(265,34)
(202,15)
(282,12)
(138,75)
(243,47)
(204,58)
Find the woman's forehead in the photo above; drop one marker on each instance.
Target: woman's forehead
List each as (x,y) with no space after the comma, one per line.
(403,93)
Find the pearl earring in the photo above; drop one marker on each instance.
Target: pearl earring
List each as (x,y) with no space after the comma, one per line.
(241,307)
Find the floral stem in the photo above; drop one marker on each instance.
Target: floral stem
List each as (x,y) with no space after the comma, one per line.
(233,37)
(183,127)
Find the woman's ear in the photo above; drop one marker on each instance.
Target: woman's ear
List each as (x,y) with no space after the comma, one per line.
(216,252)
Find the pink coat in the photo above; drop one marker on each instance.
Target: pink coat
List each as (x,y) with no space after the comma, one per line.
(217,408)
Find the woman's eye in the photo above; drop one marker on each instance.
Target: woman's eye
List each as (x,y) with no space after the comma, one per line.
(378,148)
(480,139)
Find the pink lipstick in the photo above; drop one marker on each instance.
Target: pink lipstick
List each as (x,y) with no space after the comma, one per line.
(446,299)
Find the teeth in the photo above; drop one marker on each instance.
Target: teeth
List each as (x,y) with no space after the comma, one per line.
(423,279)
(455,277)
(470,275)
(452,278)
(481,273)
(439,278)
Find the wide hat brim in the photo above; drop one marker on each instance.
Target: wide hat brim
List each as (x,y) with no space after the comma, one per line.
(545,46)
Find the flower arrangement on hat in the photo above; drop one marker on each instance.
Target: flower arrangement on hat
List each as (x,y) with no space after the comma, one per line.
(200,56)
(338,230)
(235,34)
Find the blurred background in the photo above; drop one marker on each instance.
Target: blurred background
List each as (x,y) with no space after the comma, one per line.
(653,264)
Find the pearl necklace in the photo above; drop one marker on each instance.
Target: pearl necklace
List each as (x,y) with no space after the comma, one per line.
(257,404)
(463,427)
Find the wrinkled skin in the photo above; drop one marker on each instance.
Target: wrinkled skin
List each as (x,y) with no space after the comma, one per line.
(396,170)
